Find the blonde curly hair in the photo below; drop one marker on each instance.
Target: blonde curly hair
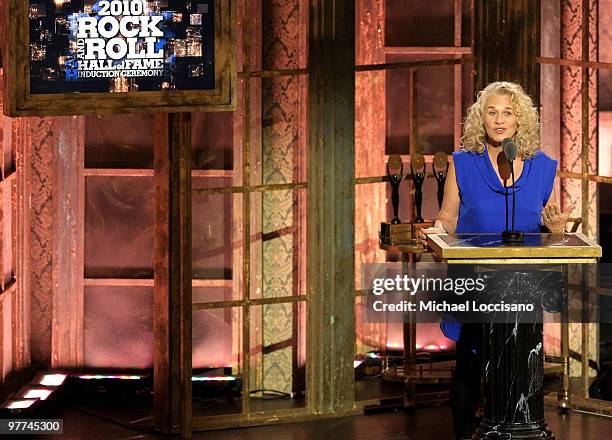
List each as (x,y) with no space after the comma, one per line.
(527,136)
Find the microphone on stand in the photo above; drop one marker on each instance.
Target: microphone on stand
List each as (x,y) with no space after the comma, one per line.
(506,196)
(511,236)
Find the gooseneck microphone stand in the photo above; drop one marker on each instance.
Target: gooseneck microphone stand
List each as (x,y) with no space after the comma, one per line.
(506,195)
(513,236)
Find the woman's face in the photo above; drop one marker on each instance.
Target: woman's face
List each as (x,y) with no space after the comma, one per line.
(499,119)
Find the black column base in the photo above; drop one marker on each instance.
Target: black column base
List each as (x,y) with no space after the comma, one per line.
(513,431)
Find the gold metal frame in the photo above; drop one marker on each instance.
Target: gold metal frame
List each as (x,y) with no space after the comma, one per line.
(471,253)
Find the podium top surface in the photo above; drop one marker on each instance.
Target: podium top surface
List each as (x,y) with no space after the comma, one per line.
(537,248)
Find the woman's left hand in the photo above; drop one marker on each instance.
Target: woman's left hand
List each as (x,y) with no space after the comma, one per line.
(554,219)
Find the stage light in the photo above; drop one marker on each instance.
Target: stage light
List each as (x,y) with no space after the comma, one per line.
(50,379)
(35,393)
(19,403)
(109,376)
(432,347)
(213,378)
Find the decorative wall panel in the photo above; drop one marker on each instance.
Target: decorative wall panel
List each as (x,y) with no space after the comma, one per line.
(42,138)
(572,120)
(52,147)
(283,157)
(370,132)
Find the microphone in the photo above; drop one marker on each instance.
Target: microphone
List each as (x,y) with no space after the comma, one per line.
(510,149)
(512,236)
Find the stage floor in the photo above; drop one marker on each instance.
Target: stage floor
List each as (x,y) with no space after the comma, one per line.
(423,424)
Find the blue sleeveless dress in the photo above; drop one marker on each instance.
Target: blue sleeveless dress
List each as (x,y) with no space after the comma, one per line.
(482,205)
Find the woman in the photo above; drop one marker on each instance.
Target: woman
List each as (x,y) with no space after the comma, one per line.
(475,202)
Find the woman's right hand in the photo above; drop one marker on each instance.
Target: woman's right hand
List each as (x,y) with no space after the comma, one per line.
(424,232)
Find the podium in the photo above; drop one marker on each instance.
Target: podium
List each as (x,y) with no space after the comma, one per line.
(513,353)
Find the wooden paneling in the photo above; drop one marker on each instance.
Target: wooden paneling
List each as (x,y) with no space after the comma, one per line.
(180,157)
(165,387)
(172,293)
(507,42)
(20,136)
(331,207)
(66,250)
